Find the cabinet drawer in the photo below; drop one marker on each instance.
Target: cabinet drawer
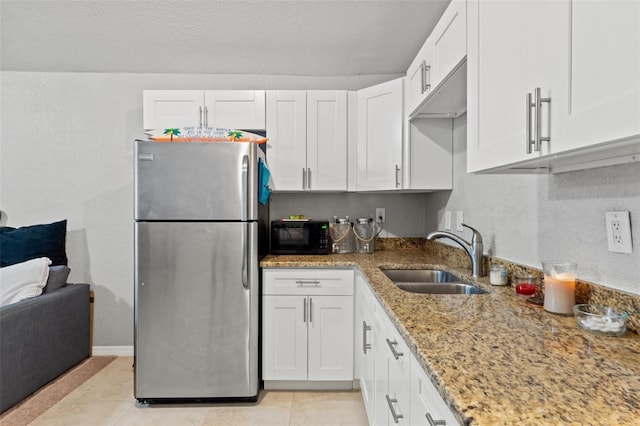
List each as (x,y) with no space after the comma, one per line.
(337,282)
(426,400)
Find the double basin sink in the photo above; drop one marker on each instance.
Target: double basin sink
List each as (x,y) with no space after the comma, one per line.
(431,281)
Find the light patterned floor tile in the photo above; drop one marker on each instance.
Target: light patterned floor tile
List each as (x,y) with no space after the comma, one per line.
(174,415)
(326,412)
(107,399)
(82,413)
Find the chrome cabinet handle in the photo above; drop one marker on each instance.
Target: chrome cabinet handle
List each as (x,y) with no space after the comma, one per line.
(534,144)
(308,178)
(423,77)
(397,176)
(302,283)
(396,416)
(304,310)
(200,122)
(311,309)
(365,345)
(206,116)
(538,101)
(392,346)
(427,81)
(530,141)
(433,422)
(304,178)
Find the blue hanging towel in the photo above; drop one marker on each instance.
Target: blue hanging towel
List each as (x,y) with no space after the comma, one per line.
(263,183)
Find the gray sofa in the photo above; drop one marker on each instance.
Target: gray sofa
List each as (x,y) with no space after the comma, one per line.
(41,338)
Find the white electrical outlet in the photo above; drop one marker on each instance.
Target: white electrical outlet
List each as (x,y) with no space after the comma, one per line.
(459,220)
(447,220)
(619,232)
(380,215)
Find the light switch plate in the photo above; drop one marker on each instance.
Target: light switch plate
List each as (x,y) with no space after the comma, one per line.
(619,232)
(459,221)
(447,220)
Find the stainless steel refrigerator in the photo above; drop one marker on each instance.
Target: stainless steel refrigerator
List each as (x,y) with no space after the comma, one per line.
(199,232)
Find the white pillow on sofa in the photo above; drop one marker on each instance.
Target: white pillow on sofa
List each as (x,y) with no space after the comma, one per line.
(23,280)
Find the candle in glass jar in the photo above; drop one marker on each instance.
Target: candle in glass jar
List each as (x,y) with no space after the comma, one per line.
(559,293)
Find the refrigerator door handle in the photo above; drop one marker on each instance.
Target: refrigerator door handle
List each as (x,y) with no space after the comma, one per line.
(245,187)
(245,257)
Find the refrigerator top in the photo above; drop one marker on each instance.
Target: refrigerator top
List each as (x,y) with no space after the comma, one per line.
(190,181)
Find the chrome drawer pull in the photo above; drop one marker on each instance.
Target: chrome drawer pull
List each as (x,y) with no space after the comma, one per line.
(539,100)
(308,283)
(435,422)
(365,345)
(396,416)
(392,346)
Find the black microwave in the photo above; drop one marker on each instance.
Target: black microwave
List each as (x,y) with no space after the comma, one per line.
(300,237)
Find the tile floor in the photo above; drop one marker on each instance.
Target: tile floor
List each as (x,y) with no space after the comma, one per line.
(107,399)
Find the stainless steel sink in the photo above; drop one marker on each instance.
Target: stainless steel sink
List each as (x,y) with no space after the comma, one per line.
(440,288)
(431,281)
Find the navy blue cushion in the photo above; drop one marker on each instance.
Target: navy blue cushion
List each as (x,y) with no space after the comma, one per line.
(30,242)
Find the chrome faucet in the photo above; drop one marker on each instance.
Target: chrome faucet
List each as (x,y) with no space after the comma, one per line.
(474,250)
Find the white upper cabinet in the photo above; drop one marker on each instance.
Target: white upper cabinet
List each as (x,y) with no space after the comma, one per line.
(327,140)
(379,136)
(605,72)
(585,59)
(436,79)
(449,39)
(419,76)
(163,109)
(307,148)
(234,109)
(514,48)
(287,133)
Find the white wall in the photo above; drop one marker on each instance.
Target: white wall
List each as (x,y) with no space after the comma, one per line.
(405,213)
(530,218)
(66,153)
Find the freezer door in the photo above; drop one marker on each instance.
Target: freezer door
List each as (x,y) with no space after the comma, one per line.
(195,181)
(196,310)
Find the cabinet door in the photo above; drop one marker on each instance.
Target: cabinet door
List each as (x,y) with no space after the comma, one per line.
(364,344)
(605,72)
(163,109)
(418,76)
(379,140)
(381,375)
(284,337)
(449,40)
(287,132)
(513,48)
(327,140)
(426,402)
(330,327)
(235,109)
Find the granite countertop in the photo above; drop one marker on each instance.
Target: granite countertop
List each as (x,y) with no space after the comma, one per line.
(497,359)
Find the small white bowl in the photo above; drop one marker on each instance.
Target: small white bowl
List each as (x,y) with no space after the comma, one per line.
(601,320)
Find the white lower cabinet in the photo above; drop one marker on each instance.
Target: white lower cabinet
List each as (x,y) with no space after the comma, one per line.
(427,406)
(395,388)
(364,343)
(307,326)
(393,361)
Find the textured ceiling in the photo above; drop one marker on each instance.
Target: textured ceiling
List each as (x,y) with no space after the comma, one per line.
(312,37)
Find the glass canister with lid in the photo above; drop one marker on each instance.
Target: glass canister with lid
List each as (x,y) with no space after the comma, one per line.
(365,233)
(342,239)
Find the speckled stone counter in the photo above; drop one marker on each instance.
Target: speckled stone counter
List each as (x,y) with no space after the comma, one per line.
(496,359)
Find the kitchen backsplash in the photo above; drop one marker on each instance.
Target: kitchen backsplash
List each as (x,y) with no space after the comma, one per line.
(586,292)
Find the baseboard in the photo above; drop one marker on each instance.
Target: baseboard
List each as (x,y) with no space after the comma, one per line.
(307,385)
(112,350)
